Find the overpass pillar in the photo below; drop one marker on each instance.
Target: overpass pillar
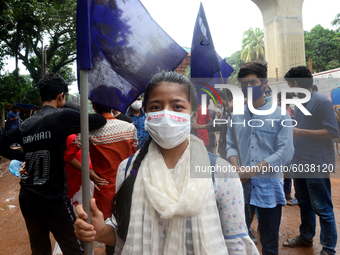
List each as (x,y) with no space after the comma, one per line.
(283,35)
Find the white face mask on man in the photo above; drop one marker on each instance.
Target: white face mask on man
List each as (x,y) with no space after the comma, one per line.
(168,128)
(136,105)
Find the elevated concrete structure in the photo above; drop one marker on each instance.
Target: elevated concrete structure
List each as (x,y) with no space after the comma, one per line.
(283,34)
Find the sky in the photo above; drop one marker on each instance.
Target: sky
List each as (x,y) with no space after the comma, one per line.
(227,20)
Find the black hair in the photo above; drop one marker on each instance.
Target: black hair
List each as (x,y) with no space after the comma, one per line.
(51,85)
(253,67)
(72,105)
(15,107)
(315,88)
(302,75)
(123,199)
(172,77)
(222,93)
(288,96)
(101,108)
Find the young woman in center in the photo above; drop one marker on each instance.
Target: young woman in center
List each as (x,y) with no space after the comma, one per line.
(159,208)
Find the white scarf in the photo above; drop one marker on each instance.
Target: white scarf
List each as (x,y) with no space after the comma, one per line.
(175,197)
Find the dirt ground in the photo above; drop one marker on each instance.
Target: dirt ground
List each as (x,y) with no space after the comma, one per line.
(14,237)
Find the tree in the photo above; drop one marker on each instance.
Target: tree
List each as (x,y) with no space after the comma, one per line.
(28,23)
(10,90)
(323,47)
(235,62)
(252,45)
(336,23)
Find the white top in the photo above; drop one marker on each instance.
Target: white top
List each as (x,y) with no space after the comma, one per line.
(229,200)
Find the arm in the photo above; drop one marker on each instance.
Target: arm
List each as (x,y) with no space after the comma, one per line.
(98,230)
(209,126)
(135,141)
(14,118)
(318,134)
(284,148)
(71,120)
(69,158)
(74,163)
(229,197)
(328,120)
(6,140)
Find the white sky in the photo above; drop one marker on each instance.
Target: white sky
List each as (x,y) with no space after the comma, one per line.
(227,20)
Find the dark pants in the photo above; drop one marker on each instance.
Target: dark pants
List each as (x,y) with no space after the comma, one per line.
(314,197)
(269,220)
(109,250)
(287,186)
(43,216)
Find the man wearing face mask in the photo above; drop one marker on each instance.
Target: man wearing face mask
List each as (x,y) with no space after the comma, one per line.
(137,115)
(268,94)
(264,146)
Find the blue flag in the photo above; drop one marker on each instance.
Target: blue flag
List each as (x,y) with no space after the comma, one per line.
(127,47)
(205,62)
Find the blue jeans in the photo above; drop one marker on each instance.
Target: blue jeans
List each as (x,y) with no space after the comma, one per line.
(269,220)
(314,197)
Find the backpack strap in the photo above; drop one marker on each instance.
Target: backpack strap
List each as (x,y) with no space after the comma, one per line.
(128,165)
(212,158)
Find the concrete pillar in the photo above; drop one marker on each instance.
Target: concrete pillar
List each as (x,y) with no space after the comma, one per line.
(283,34)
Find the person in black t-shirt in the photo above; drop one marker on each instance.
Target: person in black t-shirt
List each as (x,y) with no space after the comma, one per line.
(43,195)
(121,116)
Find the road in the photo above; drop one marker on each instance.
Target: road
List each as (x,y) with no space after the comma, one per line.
(14,237)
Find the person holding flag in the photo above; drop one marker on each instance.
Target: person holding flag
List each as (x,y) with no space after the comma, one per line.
(159,208)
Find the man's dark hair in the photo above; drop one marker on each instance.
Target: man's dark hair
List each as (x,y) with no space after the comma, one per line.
(288,96)
(101,109)
(315,88)
(253,67)
(51,85)
(301,75)
(15,107)
(221,93)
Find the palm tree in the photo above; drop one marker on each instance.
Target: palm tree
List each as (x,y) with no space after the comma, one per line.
(253,45)
(336,22)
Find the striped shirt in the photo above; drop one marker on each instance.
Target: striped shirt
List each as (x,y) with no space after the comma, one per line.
(109,146)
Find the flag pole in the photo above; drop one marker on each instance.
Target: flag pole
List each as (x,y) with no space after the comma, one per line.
(231,118)
(246,196)
(85,166)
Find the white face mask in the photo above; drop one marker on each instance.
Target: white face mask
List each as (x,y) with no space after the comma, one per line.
(136,105)
(167,128)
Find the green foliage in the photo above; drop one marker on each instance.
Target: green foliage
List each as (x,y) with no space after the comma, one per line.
(336,23)
(252,45)
(323,47)
(11,91)
(25,24)
(235,62)
(187,72)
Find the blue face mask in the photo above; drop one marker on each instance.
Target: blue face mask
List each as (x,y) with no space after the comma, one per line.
(257,91)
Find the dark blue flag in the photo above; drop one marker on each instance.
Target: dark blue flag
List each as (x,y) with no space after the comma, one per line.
(205,62)
(127,48)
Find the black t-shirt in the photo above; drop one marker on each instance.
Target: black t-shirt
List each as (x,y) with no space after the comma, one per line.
(43,139)
(124,117)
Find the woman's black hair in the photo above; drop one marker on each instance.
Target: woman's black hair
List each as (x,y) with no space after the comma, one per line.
(123,199)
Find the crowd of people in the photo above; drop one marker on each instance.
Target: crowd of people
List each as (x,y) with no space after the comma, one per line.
(146,196)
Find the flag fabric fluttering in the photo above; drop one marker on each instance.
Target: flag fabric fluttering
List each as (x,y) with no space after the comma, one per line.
(205,62)
(127,47)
